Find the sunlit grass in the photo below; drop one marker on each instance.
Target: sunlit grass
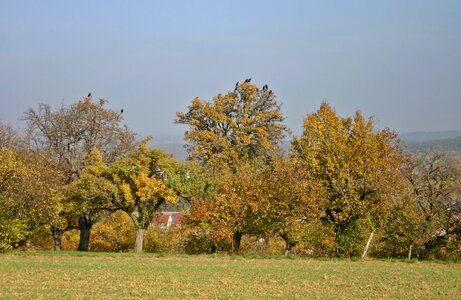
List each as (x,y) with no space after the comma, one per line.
(127,275)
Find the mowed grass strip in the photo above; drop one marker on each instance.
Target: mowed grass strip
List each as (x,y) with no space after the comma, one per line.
(129,276)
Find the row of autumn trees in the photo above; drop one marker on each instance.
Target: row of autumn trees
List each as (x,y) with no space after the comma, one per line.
(342,188)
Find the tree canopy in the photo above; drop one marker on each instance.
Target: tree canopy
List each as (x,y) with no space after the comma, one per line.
(142,186)
(356,165)
(67,135)
(243,124)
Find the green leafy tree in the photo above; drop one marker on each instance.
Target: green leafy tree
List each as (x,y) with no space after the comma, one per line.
(92,196)
(142,186)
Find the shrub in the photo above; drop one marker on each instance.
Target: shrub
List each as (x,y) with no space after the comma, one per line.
(115,233)
(165,241)
(199,242)
(11,232)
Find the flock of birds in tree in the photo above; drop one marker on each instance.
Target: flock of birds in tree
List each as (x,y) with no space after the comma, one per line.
(265,87)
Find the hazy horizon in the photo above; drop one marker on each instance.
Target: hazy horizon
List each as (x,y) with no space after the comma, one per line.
(399,61)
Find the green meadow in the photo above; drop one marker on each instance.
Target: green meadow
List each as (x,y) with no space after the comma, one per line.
(70,275)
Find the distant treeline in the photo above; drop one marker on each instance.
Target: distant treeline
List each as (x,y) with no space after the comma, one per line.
(450,144)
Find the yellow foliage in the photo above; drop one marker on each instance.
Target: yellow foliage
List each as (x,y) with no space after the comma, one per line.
(244,124)
(114,234)
(358,167)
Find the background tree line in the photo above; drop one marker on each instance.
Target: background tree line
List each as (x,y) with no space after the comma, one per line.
(344,188)
(449,144)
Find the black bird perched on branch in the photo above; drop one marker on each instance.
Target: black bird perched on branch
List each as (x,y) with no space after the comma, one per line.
(265,87)
(247,80)
(89,95)
(270,92)
(121,111)
(236,86)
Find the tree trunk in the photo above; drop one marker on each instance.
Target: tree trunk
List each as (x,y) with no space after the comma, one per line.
(26,242)
(337,246)
(139,240)
(409,252)
(426,252)
(289,243)
(85,226)
(236,239)
(57,236)
(367,246)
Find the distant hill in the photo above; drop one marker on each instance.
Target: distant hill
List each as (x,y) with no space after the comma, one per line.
(171,144)
(429,136)
(444,141)
(444,145)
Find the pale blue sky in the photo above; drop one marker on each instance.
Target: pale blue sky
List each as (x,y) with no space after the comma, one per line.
(397,60)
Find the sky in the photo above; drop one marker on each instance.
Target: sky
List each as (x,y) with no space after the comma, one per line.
(399,61)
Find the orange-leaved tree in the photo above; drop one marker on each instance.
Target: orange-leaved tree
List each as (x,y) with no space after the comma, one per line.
(292,200)
(240,129)
(243,124)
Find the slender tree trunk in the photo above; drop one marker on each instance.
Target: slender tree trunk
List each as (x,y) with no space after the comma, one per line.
(139,240)
(409,252)
(57,236)
(367,246)
(236,239)
(84,225)
(337,246)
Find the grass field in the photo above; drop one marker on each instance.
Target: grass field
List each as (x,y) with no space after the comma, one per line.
(121,276)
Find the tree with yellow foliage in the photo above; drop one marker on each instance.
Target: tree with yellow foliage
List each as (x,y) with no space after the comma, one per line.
(142,186)
(356,166)
(29,194)
(243,124)
(12,170)
(233,135)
